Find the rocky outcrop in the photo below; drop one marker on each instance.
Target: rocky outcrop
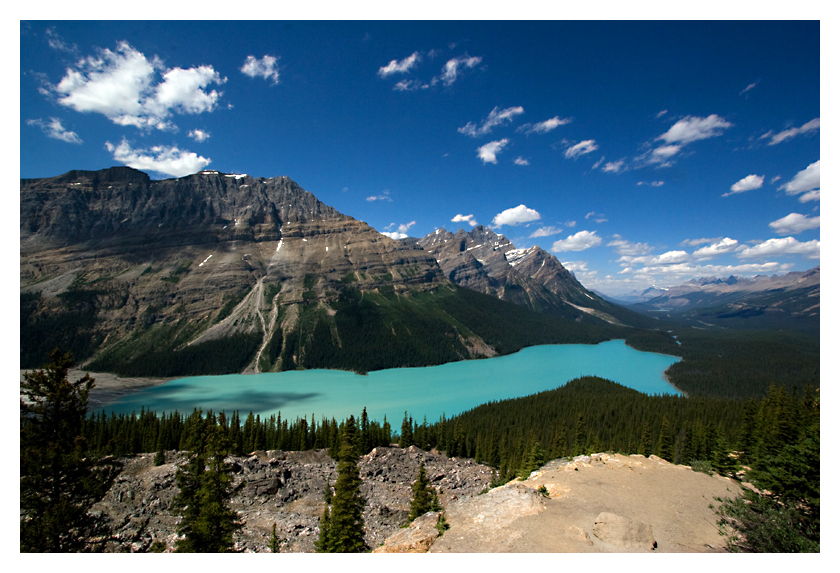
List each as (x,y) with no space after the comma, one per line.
(623,532)
(416,538)
(286,489)
(484,261)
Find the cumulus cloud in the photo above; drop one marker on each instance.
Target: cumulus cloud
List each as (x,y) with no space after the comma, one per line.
(521,161)
(401,232)
(810,196)
(544,126)
(496,117)
(578,242)
(124,86)
(786,246)
(453,68)
(806,180)
(487,152)
(399,67)
(56,42)
(199,135)
(545,232)
(794,224)
(626,248)
(55,130)
(160,158)
(516,216)
(748,183)
(692,128)
(776,138)
(469,219)
(265,68)
(721,247)
(582,148)
(695,242)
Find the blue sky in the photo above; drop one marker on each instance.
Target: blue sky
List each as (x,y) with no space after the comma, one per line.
(638,153)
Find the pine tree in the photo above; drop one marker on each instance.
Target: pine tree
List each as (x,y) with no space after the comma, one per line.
(533,461)
(644,443)
(206,486)
(322,544)
(346,524)
(579,446)
(406,433)
(274,544)
(423,496)
(666,450)
(59,479)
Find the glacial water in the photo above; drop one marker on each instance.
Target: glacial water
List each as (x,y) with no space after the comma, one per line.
(429,391)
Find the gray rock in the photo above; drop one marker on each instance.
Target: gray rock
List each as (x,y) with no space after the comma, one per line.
(623,532)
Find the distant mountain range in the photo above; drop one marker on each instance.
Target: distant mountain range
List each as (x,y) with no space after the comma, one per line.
(789,301)
(217,272)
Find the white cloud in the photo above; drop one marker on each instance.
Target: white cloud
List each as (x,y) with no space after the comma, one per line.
(399,67)
(55,130)
(626,248)
(265,67)
(401,232)
(806,180)
(453,67)
(597,217)
(496,117)
(469,219)
(487,152)
(515,216)
(121,85)
(786,246)
(582,148)
(614,166)
(777,138)
(383,197)
(794,224)
(669,258)
(521,161)
(810,196)
(578,242)
(57,43)
(692,128)
(159,158)
(721,247)
(695,242)
(748,183)
(748,88)
(657,183)
(409,85)
(199,135)
(661,113)
(545,232)
(544,126)
(576,266)
(395,235)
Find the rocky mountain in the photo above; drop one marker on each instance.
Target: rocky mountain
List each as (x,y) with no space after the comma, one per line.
(790,301)
(487,262)
(215,273)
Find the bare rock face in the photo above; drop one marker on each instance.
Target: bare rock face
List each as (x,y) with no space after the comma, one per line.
(286,489)
(484,261)
(210,256)
(623,532)
(416,538)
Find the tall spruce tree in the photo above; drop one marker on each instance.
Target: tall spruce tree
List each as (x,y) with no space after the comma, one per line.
(666,450)
(208,522)
(423,496)
(345,531)
(59,479)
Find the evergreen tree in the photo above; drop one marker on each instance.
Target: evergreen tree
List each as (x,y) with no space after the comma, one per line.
(423,496)
(59,479)
(579,446)
(644,443)
(274,544)
(206,486)
(533,461)
(346,524)
(406,433)
(322,544)
(666,450)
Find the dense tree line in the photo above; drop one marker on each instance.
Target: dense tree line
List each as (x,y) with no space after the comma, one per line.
(128,434)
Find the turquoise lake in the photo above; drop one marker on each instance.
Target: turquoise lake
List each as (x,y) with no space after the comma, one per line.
(429,391)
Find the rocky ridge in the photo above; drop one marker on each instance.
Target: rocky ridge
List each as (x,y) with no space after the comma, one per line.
(487,262)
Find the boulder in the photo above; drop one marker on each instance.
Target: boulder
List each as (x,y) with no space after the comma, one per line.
(623,532)
(416,538)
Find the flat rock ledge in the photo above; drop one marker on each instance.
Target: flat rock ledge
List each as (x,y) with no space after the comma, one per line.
(416,538)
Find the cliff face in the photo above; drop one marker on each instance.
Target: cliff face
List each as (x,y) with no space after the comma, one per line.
(221,254)
(487,262)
